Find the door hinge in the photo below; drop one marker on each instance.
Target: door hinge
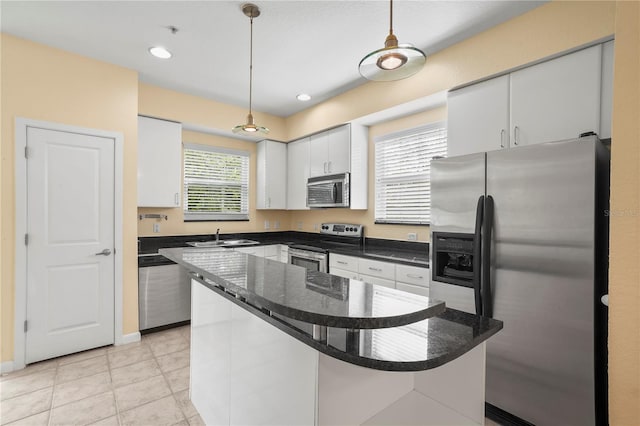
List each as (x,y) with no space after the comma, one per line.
(26,239)
(25,326)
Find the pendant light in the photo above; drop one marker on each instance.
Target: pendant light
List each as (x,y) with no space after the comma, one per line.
(394,61)
(250,128)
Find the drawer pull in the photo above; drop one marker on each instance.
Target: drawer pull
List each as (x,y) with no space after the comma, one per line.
(418,277)
(341,262)
(375,269)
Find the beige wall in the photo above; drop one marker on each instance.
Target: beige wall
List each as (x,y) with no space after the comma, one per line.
(43,83)
(175,224)
(624,272)
(158,102)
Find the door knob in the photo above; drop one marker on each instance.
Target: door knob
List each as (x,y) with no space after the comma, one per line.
(105,252)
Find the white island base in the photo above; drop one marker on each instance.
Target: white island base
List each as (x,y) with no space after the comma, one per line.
(245,371)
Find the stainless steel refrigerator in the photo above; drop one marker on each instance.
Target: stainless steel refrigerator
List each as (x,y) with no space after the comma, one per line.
(521,235)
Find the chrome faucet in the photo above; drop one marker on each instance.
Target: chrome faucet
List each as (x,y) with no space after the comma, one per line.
(217,235)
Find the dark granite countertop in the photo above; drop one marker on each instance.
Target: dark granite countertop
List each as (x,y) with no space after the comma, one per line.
(404,252)
(419,346)
(309,296)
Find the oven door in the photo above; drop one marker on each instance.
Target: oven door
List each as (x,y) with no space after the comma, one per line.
(310,260)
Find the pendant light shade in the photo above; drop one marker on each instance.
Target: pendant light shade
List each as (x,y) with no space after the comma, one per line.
(394,61)
(250,128)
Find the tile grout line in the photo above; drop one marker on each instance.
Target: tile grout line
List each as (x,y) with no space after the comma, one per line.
(53,393)
(113,390)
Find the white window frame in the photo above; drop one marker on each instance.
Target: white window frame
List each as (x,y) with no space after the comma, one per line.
(243,214)
(434,136)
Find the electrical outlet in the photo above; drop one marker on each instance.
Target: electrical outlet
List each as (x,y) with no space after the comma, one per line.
(276,224)
(412,236)
(156,227)
(300,226)
(266,224)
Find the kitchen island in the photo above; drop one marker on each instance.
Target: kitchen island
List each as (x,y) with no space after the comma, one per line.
(273,343)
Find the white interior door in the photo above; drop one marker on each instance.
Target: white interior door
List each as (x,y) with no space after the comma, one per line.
(70,225)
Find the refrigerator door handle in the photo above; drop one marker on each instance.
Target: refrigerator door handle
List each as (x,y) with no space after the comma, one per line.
(477,255)
(487,300)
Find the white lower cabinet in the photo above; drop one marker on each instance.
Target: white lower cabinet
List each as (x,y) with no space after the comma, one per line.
(342,262)
(415,289)
(253,250)
(284,253)
(345,274)
(371,279)
(411,279)
(272,252)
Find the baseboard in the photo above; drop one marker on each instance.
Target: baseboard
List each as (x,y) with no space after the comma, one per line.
(129,338)
(6,367)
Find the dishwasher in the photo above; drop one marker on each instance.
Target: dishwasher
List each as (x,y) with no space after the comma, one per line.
(164,293)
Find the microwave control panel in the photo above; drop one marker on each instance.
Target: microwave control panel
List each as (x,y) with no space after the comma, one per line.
(345,229)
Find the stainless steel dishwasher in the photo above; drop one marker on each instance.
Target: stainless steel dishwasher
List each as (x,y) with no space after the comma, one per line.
(164,292)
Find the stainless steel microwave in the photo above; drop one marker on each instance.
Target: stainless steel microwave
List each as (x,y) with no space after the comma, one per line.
(328,191)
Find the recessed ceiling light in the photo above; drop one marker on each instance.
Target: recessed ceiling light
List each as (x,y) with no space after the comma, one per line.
(160,52)
(303,97)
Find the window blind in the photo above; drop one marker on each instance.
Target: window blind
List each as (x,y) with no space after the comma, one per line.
(216,183)
(402,167)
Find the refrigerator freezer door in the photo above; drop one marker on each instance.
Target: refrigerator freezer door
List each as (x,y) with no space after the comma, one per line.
(456,184)
(540,367)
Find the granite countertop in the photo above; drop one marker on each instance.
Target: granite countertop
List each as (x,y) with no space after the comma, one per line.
(419,346)
(310,296)
(404,252)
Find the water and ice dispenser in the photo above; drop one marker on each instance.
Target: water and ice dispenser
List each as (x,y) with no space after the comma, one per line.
(454,258)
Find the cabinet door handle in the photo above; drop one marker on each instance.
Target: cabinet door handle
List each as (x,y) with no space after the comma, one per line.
(329,167)
(375,269)
(516,130)
(177,198)
(419,277)
(269,202)
(502,138)
(325,167)
(341,262)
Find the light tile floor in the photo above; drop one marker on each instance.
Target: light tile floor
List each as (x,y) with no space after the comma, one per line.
(142,383)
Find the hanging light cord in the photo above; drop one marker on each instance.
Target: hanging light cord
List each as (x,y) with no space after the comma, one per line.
(250,64)
(391,17)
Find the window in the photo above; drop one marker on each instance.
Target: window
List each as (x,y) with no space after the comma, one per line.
(402,166)
(216,183)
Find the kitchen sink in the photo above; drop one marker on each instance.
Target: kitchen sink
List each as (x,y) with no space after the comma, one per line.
(223,243)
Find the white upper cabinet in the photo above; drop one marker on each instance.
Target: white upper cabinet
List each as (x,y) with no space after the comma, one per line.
(557,99)
(554,100)
(338,150)
(330,151)
(159,163)
(478,117)
(298,174)
(271,175)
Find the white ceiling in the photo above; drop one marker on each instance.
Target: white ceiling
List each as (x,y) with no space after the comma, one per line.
(299,46)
